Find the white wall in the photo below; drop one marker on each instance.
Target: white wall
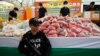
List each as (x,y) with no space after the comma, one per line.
(90,0)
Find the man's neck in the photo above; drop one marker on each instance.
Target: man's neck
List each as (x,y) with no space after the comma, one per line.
(65,7)
(34,32)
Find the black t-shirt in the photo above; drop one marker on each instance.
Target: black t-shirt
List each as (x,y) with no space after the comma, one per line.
(42,12)
(64,11)
(39,41)
(12,14)
(88,8)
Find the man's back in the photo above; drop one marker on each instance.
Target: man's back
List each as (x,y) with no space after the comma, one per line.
(42,12)
(13,14)
(64,11)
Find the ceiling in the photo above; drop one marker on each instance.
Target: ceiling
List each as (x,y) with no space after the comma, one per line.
(30,2)
(20,2)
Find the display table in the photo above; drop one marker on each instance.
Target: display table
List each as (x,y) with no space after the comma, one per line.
(65,46)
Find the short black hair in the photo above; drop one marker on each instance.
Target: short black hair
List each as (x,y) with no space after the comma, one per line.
(34,21)
(92,3)
(65,2)
(15,8)
(40,4)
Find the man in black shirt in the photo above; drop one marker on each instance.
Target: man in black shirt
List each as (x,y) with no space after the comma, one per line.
(65,10)
(34,42)
(42,11)
(91,7)
(13,14)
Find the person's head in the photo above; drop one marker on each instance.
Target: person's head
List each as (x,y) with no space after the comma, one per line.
(65,3)
(40,4)
(16,9)
(92,4)
(34,24)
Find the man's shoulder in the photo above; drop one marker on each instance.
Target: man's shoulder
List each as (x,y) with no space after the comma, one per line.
(11,11)
(62,8)
(67,7)
(41,33)
(27,33)
(44,8)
